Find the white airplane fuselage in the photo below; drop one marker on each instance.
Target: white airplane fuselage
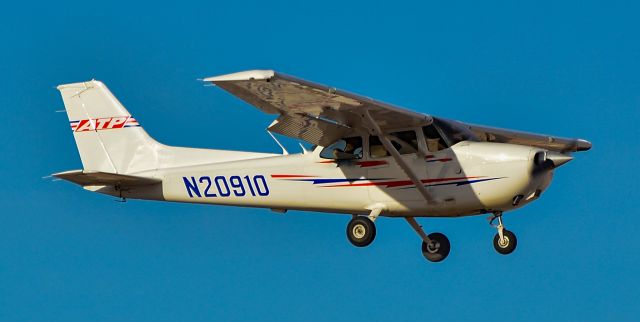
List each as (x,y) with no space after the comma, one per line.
(466,179)
(371,159)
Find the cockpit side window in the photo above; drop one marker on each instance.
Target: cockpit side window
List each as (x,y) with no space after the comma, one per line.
(435,142)
(407,140)
(344,149)
(376,148)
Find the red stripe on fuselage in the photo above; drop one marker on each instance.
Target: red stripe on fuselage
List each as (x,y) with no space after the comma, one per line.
(365,164)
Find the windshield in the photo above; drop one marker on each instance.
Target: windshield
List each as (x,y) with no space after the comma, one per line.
(454,131)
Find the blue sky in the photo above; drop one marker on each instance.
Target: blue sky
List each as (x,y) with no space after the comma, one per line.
(569,69)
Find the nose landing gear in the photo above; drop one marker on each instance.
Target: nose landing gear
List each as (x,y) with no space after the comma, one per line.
(504,241)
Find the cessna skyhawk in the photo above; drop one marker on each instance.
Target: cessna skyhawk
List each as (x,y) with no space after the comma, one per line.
(369,159)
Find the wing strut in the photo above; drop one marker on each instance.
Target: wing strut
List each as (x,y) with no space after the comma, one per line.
(396,155)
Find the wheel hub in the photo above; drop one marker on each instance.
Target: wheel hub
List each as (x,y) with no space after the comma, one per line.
(359,231)
(503,242)
(433,247)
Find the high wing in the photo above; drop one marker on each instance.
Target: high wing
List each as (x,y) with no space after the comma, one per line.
(320,114)
(553,143)
(312,112)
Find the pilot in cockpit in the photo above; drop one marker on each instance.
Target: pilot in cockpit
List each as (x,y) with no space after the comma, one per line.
(352,149)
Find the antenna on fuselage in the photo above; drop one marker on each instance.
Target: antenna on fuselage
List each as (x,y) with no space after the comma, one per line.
(284,151)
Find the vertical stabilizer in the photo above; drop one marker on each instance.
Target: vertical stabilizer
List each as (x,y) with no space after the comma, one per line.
(109,139)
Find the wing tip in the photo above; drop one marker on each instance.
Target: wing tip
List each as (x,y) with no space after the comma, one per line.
(257,74)
(66,173)
(583,145)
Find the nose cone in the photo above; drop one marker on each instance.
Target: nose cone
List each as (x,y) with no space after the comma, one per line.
(558,159)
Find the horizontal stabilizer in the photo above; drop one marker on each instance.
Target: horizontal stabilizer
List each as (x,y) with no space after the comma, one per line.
(96,178)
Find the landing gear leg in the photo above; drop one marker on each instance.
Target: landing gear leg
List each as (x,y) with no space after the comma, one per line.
(504,241)
(435,246)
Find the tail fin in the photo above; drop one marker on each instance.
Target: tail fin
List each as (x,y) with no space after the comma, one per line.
(109,139)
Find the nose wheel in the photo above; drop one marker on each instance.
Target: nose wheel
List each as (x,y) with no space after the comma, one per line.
(504,241)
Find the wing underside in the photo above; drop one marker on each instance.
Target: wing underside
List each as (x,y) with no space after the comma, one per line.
(553,143)
(320,114)
(313,112)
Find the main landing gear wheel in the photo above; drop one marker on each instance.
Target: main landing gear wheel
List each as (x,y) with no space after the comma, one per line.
(508,243)
(438,249)
(361,231)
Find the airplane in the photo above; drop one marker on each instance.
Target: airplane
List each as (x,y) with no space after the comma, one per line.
(369,159)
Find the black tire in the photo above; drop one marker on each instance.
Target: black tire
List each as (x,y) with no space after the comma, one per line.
(510,242)
(439,250)
(361,231)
